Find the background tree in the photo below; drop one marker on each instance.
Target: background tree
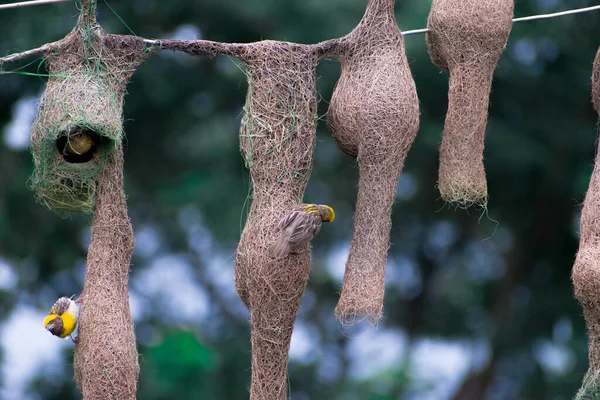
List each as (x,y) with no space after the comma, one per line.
(477,306)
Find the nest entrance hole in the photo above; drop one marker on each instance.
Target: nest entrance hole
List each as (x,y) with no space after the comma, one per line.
(80,145)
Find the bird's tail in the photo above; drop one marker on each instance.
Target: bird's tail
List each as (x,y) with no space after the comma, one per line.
(281,248)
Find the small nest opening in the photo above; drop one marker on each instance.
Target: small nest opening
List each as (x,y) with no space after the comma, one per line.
(79,121)
(80,145)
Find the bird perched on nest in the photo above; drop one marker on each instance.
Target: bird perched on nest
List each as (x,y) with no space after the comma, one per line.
(299,227)
(62,318)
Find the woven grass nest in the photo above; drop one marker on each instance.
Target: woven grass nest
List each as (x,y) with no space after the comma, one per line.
(106,358)
(80,119)
(277,139)
(373,116)
(586,270)
(78,167)
(466,39)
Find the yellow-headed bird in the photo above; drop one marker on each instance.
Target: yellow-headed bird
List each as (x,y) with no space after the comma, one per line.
(62,318)
(300,227)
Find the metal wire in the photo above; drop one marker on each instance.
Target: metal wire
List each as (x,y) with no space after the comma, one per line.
(405,33)
(521,19)
(28,3)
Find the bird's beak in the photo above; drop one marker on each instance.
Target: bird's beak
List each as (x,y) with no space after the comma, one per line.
(71,298)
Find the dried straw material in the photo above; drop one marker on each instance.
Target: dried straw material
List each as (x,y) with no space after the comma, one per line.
(586,271)
(277,139)
(590,389)
(466,39)
(106,358)
(88,74)
(374,116)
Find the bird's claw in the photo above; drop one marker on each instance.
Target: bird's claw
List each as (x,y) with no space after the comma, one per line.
(79,299)
(75,339)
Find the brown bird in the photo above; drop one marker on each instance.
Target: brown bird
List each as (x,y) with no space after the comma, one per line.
(299,227)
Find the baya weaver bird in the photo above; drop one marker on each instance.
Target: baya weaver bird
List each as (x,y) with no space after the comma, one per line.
(299,227)
(78,146)
(62,318)
(79,143)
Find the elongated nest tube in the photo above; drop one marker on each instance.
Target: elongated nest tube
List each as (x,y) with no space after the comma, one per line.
(586,271)
(80,119)
(277,139)
(106,359)
(466,39)
(373,116)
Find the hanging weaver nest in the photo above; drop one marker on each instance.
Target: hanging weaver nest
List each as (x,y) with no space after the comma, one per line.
(106,358)
(78,157)
(466,39)
(586,271)
(374,116)
(80,118)
(277,139)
